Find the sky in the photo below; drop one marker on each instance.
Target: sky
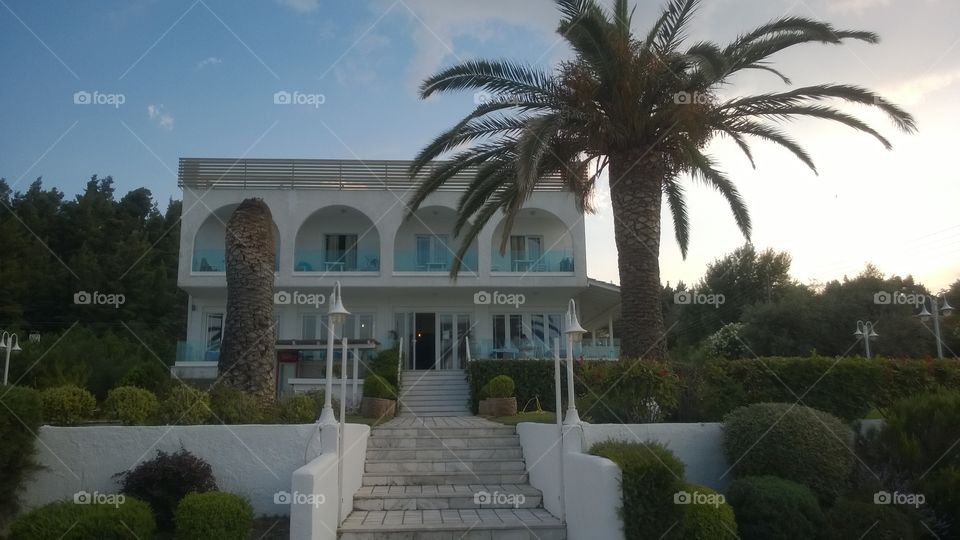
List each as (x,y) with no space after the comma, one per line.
(125,88)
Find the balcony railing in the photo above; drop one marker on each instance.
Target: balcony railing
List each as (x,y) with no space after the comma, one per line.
(411,261)
(537,349)
(558,260)
(215,260)
(195,351)
(318,260)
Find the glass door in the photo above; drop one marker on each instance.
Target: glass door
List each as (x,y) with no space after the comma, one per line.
(451,333)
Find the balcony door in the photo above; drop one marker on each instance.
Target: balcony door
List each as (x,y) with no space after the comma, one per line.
(340,254)
(525,252)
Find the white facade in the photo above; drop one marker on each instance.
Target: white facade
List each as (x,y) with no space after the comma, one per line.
(350,224)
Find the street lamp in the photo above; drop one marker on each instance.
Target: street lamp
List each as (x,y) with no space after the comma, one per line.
(939,306)
(574,333)
(11,343)
(337,315)
(866,333)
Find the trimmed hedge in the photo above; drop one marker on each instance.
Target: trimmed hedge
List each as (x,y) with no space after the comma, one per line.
(186,405)
(299,409)
(501,386)
(707,521)
(20,418)
(769,507)
(855,519)
(793,442)
(233,406)
(67,520)
(375,386)
(627,392)
(533,380)
(67,405)
(651,477)
(131,405)
(214,515)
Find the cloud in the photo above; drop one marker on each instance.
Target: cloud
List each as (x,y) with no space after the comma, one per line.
(301,6)
(855,6)
(209,61)
(164,120)
(914,92)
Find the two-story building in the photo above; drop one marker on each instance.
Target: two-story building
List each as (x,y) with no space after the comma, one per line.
(343,220)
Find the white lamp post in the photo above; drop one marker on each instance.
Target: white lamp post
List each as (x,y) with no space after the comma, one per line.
(938,307)
(10,343)
(574,332)
(337,315)
(866,333)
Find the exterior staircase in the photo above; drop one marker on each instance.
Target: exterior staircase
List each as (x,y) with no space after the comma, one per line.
(447,478)
(434,393)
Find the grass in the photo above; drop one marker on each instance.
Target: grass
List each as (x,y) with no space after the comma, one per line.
(539,417)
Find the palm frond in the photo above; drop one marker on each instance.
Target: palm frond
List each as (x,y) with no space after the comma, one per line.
(703,169)
(678,209)
(497,76)
(818,111)
(770,133)
(675,18)
(447,170)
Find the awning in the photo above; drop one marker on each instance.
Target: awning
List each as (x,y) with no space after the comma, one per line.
(598,303)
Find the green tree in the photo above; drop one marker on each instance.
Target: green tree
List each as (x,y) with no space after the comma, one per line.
(644,106)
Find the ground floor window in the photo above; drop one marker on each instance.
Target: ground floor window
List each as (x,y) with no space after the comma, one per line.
(525,335)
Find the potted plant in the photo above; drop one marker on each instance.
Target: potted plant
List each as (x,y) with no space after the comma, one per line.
(498,397)
(379,398)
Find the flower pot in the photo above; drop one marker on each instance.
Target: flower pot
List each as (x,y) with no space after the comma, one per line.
(372,407)
(498,406)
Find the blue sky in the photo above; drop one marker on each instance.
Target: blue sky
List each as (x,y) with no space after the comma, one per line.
(197,78)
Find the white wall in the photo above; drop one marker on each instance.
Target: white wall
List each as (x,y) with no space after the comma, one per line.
(255,461)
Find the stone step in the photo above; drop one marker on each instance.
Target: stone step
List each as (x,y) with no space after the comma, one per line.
(430,410)
(476,496)
(449,444)
(486,524)
(492,431)
(391,466)
(433,372)
(435,389)
(401,454)
(447,414)
(439,478)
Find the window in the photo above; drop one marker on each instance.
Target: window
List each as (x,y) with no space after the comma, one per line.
(341,252)
(214,331)
(433,252)
(525,252)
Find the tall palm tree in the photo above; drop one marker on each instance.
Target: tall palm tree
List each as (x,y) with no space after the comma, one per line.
(643,107)
(247,361)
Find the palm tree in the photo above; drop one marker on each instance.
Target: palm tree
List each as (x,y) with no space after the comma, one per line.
(644,107)
(247,361)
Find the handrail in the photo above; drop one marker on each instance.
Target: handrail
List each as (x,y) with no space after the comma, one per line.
(399,363)
(467,339)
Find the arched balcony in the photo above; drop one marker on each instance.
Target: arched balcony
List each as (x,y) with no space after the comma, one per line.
(209,244)
(539,242)
(425,243)
(337,239)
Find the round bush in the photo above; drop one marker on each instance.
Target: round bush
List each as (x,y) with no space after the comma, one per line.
(165,480)
(131,405)
(707,516)
(792,442)
(186,405)
(500,386)
(70,521)
(67,405)
(20,418)
(214,515)
(770,507)
(298,409)
(232,406)
(152,376)
(853,519)
(375,386)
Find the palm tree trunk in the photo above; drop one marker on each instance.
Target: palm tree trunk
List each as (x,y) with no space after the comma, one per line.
(636,194)
(247,359)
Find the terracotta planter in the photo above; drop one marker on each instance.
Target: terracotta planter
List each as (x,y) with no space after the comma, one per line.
(498,406)
(378,408)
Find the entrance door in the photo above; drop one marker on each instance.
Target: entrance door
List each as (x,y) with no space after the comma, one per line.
(425,345)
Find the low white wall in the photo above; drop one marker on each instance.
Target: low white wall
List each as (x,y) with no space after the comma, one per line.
(593,498)
(255,461)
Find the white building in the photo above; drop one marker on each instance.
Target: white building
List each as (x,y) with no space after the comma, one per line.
(345,221)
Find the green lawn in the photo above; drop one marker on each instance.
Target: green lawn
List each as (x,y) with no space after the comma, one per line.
(539,417)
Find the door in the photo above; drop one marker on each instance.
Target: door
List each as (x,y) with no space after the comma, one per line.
(454,329)
(425,345)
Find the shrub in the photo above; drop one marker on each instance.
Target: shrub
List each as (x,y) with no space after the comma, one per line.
(214,515)
(131,405)
(651,476)
(299,409)
(628,392)
(67,405)
(152,376)
(707,519)
(770,507)
(20,418)
(384,364)
(166,479)
(793,442)
(853,519)
(500,386)
(186,405)
(67,520)
(375,386)
(533,380)
(232,406)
